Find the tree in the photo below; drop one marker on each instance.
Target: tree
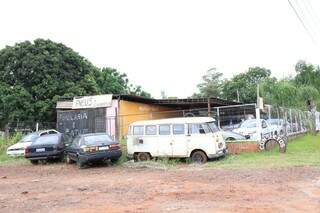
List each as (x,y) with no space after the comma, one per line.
(35,74)
(110,81)
(307,74)
(245,84)
(211,85)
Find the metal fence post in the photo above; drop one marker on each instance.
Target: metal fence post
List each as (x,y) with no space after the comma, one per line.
(218,117)
(259,129)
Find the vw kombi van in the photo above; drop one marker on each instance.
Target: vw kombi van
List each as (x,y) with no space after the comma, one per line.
(195,137)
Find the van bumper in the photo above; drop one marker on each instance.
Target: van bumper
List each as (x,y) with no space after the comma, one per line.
(220,153)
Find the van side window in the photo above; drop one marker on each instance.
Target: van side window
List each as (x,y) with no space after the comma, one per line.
(178,129)
(198,129)
(138,130)
(151,130)
(164,129)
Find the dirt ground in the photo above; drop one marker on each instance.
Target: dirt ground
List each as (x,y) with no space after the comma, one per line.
(187,188)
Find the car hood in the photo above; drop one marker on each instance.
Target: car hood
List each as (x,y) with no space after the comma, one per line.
(20,145)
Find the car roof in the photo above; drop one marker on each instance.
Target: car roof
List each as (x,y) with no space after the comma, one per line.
(93,134)
(175,121)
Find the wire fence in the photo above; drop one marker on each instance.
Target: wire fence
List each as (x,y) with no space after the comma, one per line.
(240,121)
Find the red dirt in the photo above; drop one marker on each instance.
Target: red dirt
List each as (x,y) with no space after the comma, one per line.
(64,188)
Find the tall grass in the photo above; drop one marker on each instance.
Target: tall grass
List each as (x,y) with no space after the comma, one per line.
(5,142)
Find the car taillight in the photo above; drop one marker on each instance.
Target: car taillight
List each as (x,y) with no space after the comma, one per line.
(90,149)
(114,146)
(27,150)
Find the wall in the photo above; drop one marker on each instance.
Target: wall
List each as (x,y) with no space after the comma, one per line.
(130,112)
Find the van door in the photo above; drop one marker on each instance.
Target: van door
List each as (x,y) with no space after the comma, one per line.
(178,141)
(164,140)
(197,138)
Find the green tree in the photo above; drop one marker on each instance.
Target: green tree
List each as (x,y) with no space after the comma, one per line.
(211,85)
(39,72)
(307,74)
(245,84)
(110,81)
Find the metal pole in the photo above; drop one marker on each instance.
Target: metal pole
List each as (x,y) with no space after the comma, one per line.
(218,117)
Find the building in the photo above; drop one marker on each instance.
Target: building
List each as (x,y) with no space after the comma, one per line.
(113,113)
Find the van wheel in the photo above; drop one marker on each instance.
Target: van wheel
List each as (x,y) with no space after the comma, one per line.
(143,156)
(80,164)
(199,157)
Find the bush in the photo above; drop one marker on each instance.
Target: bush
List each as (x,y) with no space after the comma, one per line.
(8,141)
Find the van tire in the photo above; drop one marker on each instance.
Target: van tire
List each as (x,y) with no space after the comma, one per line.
(199,157)
(143,156)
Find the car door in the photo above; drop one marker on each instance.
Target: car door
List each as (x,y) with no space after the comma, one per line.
(150,139)
(179,140)
(74,148)
(164,140)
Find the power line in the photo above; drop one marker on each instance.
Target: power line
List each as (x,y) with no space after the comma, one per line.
(302,22)
(312,13)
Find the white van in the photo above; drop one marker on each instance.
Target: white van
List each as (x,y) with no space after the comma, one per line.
(195,137)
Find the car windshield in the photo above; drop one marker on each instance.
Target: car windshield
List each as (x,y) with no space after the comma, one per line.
(249,124)
(274,122)
(97,139)
(213,127)
(49,139)
(29,138)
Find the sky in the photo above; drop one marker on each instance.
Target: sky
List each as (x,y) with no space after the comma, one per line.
(168,45)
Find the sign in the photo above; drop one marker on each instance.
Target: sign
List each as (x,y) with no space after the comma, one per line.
(96,101)
(274,139)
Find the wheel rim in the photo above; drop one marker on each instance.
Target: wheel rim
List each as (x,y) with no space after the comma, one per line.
(198,158)
(143,157)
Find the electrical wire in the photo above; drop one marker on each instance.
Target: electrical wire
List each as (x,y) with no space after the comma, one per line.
(302,22)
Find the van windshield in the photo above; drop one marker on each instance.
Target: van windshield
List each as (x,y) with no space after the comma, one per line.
(213,127)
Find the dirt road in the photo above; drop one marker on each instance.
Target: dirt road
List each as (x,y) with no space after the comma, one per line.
(64,188)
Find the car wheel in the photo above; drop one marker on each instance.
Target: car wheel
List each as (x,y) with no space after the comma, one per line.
(230,139)
(199,157)
(80,164)
(114,160)
(34,162)
(68,160)
(143,156)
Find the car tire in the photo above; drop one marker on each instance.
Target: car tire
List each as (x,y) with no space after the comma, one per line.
(199,157)
(143,156)
(69,160)
(34,162)
(114,160)
(230,139)
(80,164)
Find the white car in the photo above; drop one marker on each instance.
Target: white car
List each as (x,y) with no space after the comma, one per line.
(18,148)
(248,128)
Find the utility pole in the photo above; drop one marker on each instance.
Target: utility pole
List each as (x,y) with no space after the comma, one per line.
(238,96)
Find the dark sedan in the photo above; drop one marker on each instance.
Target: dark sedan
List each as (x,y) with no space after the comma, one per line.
(90,148)
(45,148)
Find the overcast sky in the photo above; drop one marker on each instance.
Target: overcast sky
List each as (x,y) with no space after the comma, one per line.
(169,44)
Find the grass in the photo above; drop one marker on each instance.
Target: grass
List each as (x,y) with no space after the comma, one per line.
(4,144)
(302,151)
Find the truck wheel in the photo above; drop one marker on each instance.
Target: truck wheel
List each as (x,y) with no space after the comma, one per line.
(34,162)
(199,157)
(143,156)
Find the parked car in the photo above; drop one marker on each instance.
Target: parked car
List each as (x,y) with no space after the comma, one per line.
(195,137)
(45,148)
(248,128)
(18,149)
(280,126)
(233,136)
(95,147)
